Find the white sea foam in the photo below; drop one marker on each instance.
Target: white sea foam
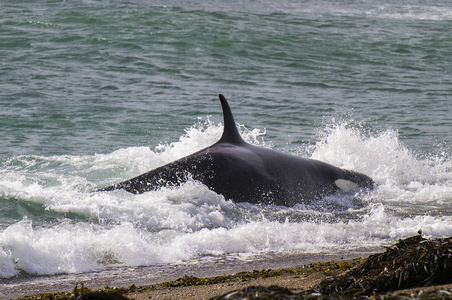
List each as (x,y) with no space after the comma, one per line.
(83,247)
(401,174)
(411,12)
(90,231)
(408,10)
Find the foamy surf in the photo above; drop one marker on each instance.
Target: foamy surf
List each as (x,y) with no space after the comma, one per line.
(65,227)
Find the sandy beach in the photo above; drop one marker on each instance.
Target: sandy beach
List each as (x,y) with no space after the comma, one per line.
(295,283)
(15,288)
(413,268)
(297,279)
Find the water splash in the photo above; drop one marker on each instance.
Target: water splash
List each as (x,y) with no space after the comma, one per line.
(69,229)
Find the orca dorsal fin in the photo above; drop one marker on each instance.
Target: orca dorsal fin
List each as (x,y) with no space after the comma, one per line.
(230,132)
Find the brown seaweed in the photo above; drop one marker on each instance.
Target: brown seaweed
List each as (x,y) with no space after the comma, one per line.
(412,262)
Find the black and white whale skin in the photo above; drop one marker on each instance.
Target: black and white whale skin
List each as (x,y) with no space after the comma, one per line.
(246,173)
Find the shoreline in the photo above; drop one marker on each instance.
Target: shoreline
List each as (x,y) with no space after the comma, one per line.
(298,279)
(295,283)
(15,288)
(123,277)
(411,268)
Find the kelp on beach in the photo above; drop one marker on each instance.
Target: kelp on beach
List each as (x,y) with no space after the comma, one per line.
(412,262)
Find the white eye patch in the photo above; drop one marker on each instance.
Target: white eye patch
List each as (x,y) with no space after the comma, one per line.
(346,185)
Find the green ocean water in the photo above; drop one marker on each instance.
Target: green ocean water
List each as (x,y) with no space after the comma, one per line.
(80,78)
(93,92)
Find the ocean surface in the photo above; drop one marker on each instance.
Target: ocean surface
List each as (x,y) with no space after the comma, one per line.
(96,92)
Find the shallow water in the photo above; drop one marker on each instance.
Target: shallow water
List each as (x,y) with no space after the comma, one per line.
(94,93)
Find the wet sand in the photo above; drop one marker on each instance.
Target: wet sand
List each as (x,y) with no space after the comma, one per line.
(416,262)
(295,283)
(305,278)
(15,288)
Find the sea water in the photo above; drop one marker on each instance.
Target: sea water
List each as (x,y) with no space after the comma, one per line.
(96,92)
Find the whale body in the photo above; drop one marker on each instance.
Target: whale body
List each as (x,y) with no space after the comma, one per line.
(247,173)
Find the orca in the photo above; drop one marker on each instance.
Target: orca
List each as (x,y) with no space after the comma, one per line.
(246,173)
